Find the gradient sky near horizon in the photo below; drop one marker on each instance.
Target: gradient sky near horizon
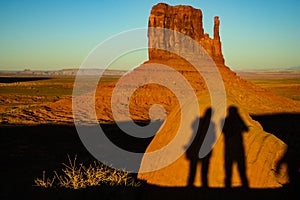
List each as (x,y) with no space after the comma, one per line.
(50,35)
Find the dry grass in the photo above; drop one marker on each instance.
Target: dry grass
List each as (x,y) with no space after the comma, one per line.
(76,176)
(44,182)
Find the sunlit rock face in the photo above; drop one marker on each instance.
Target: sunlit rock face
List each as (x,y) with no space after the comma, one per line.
(260,150)
(186,20)
(260,154)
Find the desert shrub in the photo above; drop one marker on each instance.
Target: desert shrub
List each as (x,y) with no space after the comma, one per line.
(76,176)
(44,182)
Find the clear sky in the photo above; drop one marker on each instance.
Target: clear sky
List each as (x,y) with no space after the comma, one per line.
(55,34)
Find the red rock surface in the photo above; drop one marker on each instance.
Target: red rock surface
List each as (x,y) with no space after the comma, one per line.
(186,20)
(262,149)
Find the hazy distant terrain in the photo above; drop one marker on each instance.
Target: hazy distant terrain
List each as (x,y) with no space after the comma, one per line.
(281,82)
(268,74)
(62,72)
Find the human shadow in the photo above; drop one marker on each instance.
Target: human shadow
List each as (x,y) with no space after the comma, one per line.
(193,150)
(234,152)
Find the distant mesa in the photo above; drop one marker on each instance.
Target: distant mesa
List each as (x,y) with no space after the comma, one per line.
(275,74)
(294,68)
(64,72)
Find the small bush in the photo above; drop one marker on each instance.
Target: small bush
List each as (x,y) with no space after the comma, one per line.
(76,176)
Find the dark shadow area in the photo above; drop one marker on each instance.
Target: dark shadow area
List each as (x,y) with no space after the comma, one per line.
(28,150)
(187,193)
(192,152)
(286,127)
(21,79)
(151,192)
(128,142)
(234,151)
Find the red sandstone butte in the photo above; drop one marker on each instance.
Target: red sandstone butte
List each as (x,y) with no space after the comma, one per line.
(186,20)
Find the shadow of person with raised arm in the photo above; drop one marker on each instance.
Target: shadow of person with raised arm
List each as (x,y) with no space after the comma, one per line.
(233,128)
(192,152)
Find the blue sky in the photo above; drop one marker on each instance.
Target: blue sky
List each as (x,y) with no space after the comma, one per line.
(43,34)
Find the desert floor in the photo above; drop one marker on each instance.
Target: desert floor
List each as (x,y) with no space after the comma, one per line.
(29,149)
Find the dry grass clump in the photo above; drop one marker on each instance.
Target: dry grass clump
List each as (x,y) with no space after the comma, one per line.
(76,176)
(44,182)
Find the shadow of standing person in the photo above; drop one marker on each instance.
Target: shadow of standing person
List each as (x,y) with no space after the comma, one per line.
(233,128)
(192,152)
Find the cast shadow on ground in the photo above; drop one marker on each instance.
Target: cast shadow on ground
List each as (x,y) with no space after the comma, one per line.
(21,79)
(233,129)
(28,150)
(192,153)
(285,126)
(234,151)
